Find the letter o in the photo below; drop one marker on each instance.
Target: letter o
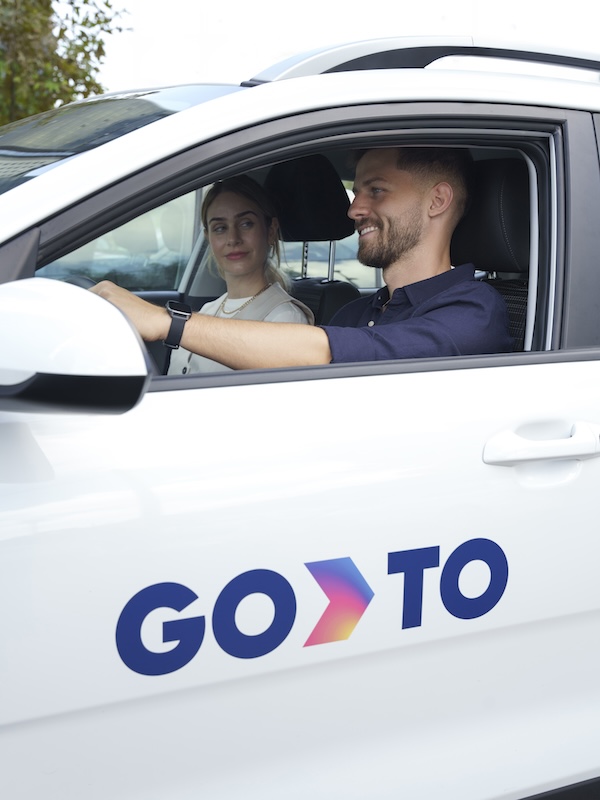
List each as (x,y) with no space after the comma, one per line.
(258,581)
(474,550)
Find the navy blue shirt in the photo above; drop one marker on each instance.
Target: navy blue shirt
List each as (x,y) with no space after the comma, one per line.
(451,314)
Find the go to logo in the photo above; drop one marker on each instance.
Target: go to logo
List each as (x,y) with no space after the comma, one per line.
(189,633)
(348,592)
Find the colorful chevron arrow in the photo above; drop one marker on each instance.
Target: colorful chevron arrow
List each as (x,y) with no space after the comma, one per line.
(349,595)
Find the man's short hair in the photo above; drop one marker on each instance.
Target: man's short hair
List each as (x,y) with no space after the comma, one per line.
(434,164)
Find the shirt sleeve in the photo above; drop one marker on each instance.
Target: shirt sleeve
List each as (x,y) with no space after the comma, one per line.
(470,321)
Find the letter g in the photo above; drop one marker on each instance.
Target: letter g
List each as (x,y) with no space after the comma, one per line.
(188,632)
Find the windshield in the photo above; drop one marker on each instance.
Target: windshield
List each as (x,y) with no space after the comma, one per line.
(32,145)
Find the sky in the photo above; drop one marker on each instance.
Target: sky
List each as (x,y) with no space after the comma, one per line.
(195,41)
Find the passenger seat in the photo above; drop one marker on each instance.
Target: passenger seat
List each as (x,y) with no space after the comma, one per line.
(312,206)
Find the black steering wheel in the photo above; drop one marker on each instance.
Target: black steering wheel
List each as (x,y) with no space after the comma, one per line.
(81,280)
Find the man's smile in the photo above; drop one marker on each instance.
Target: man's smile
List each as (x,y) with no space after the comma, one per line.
(367,229)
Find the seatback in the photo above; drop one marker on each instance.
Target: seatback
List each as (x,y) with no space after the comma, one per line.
(312,206)
(494,234)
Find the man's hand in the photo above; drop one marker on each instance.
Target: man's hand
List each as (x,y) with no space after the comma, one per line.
(151,321)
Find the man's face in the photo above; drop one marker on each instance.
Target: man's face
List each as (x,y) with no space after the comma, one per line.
(387,209)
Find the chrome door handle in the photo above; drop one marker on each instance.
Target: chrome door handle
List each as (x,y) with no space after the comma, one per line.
(508,448)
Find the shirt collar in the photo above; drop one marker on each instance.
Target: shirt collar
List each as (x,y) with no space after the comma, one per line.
(421,291)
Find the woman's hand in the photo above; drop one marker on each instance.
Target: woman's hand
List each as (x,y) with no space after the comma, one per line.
(151,321)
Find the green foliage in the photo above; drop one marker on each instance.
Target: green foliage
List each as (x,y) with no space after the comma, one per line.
(50,52)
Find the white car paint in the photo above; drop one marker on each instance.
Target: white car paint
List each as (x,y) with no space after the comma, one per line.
(484,469)
(60,331)
(64,184)
(199,512)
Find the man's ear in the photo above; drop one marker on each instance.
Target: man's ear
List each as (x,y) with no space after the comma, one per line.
(441,197)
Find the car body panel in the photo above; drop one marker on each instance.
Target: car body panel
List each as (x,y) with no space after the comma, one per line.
(172,511)
(58,188)
(427,52)
(362,580)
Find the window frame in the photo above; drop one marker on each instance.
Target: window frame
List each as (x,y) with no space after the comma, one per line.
(465,123)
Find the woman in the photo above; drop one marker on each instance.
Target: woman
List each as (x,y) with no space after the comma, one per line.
(243,234)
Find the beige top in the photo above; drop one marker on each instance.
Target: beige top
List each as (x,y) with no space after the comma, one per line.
(272,305)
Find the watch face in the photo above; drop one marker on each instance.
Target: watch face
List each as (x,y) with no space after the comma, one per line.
(178,308)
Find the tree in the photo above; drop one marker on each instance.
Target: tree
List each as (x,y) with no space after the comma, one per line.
(50,53)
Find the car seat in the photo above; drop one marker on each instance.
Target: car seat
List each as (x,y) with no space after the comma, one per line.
(312,206)
(494,234)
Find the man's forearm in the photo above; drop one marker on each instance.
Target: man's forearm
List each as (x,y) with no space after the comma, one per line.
(239,344)
(245,344)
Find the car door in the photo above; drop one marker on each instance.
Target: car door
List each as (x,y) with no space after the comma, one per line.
(353,580)
(271,590)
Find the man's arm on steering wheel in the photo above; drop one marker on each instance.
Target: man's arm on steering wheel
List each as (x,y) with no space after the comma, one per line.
(239,344)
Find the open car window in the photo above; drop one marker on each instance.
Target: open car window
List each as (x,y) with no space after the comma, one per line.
(162,253)
(148,253)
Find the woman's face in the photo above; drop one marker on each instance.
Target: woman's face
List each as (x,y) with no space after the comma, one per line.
(238,235)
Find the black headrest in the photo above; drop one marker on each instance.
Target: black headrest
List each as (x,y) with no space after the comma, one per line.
(494,234)
(311,200)
(323,297)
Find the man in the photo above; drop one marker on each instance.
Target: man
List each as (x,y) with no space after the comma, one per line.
(407,204)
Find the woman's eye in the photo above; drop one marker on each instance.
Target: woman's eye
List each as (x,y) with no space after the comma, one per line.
(247,223)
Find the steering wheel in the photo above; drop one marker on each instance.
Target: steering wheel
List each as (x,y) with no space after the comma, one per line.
(80,280)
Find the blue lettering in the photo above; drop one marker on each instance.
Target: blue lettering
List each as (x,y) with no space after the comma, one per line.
(258,581)
(474,550)
(413,564)
(188,632)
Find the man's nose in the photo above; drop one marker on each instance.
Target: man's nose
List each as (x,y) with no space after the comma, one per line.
(357,208)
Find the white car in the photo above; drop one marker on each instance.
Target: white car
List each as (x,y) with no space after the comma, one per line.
(368,580)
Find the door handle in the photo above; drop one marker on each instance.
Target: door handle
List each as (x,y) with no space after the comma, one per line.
(508,448)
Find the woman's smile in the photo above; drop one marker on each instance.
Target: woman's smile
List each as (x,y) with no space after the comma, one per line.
(236,255)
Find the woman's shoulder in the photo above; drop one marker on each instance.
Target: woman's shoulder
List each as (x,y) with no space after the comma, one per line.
(280,306)
(288,311)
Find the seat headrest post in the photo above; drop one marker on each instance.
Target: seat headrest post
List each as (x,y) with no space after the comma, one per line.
(331,265)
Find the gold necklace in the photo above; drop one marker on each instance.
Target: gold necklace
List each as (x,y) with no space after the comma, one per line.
(221,308)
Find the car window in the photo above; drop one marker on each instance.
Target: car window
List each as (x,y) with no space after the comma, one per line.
(148,253)
(30,146)
(347,266)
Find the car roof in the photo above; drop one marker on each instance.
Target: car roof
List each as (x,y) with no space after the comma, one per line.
(31,145)
(413,52)
(227,108)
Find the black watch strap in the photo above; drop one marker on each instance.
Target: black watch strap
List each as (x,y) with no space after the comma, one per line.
(180,313)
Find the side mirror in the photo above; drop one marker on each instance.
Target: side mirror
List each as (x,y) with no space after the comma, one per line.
(65,349)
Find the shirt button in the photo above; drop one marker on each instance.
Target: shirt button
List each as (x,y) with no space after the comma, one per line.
(370,323)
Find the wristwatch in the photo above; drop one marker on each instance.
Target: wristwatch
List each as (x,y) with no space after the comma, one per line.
(180,313)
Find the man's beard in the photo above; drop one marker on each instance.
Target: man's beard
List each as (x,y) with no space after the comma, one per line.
(402,236)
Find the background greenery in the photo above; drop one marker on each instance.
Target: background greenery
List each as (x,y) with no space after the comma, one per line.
(50,52)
